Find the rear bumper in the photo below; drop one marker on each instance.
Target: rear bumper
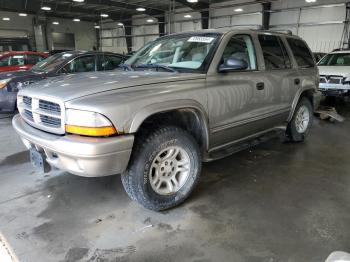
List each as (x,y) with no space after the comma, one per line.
(83,156)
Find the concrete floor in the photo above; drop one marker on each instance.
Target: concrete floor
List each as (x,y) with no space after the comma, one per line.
(276,202)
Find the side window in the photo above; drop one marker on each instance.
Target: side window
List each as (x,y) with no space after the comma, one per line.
(275,54)
(33,59)
(301,53)
(240,47)
(108,62)
(16,60)
(5,61)
(81,64)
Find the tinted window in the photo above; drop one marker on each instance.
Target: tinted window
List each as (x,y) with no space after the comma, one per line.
(301,53)
(52,62)
(109,62)
(16,60)
(81,64)
(240,47)
(337,59)
(33,59)
(274,52)
(5,61)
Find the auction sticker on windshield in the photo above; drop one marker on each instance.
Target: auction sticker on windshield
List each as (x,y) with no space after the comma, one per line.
(201,39)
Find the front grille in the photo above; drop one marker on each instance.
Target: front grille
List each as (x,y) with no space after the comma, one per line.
(49,106)
(338,80)
(27,100)
(43,114)
(50,121)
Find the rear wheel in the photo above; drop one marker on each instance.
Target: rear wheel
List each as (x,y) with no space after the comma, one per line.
(164,169)
(299,127)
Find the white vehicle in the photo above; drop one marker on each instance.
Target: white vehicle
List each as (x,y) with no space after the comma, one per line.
(335,73)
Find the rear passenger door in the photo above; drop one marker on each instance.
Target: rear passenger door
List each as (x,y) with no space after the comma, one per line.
(280,78)
(108,62)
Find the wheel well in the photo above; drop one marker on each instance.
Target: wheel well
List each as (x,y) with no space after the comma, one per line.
(309,94)
(189,119)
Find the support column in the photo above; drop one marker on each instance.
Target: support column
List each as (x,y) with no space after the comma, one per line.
(161,25)
(128,33)
(205,19)
(266,16)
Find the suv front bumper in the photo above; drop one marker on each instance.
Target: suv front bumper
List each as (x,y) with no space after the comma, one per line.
(83,156)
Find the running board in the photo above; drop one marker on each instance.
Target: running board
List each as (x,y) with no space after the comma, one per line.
(245,143)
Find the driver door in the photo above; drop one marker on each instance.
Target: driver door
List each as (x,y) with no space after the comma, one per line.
(235,97)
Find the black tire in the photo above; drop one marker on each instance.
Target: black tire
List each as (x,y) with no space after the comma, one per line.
(292,132)
(136,179)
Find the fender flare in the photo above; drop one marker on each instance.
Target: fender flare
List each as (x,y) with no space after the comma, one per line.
(178,104)
(297,98)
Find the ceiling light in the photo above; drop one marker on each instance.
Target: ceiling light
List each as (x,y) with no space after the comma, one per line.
(238,10)
(104,15)
(76,20)
(192,1)
(46,8)
(141,9)
(120,24)
(79,1)
(55,23)
(149,20)
(310,1)
(97,26)
(22,14)
(6,18)
(187,16)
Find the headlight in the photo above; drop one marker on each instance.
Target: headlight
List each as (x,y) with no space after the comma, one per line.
(88,123)
(4,82)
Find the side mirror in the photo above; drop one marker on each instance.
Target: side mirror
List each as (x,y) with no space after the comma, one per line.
(233,64)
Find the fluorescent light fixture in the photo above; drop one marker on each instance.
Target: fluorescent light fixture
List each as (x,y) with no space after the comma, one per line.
(239,10)
(104,15)
(79,1)
(187,16)
(310,1)
(192,1)
(141,9)
(149,20)
(97,26)
(22,14)
(55,23)
(120,24)
(76,20)
(6,18)
(46,8)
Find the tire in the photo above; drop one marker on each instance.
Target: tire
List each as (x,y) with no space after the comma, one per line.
(297,131)
(164,169)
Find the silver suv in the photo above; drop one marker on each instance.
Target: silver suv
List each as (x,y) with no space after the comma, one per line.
(180,100)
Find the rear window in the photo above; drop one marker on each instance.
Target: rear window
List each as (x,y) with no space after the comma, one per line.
(301,53)
(275,54)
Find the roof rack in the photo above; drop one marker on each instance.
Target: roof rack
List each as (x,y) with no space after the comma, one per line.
(287,32)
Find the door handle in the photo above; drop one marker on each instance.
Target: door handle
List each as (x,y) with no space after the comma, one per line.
(260,86)
(296,81)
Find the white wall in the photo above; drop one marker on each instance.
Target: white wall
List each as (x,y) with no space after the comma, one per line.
(320,23)
(84,32)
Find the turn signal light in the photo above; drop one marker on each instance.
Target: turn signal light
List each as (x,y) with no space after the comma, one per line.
(91,131)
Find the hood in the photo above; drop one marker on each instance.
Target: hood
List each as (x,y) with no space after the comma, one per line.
(16,74)
(69,87)
(335,70)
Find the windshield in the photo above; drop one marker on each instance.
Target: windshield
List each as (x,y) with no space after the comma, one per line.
(338,59)
(180,52)
(51,62)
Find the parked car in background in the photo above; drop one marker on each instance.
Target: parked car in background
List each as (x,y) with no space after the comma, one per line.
(335,73)
(62,63)
(19,60)
(318,56)
(183,99)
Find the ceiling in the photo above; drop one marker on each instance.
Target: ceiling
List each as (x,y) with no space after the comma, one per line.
(90,10)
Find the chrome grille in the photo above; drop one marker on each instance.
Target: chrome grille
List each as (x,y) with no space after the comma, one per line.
(49,106)
(42,113)
(331,79)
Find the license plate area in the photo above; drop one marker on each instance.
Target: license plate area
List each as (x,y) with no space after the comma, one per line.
(38,161)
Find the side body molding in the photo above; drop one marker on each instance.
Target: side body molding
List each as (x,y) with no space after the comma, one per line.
(180,104)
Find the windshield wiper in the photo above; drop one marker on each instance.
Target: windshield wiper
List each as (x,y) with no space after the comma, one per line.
(157,66)
(126,67)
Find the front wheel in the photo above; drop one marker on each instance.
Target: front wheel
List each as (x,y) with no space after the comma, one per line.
(299,127)
(164,169)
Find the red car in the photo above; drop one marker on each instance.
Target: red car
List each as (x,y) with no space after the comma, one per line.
(19,60)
